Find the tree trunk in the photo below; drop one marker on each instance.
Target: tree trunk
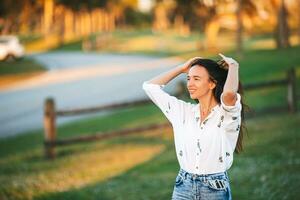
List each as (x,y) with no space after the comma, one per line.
(239,36)
(282,29)
(299,22)
(211,33)
(48,16)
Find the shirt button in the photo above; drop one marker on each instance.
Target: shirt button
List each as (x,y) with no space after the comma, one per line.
(197,167)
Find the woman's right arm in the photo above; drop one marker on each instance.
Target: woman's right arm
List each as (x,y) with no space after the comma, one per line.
(166,77)
(169,105)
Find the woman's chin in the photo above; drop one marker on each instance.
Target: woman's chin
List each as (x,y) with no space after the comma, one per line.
(192,96)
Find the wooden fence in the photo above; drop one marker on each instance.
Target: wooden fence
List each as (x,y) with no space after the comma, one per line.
(50,114)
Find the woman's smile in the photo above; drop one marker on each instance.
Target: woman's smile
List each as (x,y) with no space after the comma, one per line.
(192,90)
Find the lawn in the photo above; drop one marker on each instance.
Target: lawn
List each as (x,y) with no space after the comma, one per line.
(144,165)
(18,71)
(168,43)
(21,66)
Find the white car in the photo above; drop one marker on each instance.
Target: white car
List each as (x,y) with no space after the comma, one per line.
(10,48)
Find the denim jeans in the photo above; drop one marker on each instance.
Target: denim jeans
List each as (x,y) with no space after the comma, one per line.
(190,186)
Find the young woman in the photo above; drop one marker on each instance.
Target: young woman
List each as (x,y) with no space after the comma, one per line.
(205,134)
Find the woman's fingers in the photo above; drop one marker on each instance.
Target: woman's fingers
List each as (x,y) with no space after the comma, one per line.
(229,61)
(193,59)
(190,61)
(226,59)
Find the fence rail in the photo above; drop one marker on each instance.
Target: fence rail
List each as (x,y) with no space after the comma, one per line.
(50,114)
(80,111)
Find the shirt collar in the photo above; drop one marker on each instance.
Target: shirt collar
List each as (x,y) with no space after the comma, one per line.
(197,110)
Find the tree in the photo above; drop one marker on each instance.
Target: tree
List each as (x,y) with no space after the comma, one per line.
(243,8)
(239,23)
(214,19)
(282,30)
(8,12)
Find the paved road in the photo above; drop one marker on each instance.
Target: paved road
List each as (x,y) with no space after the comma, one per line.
(77,80)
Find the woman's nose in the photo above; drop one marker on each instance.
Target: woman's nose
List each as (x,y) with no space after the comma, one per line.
(190,83)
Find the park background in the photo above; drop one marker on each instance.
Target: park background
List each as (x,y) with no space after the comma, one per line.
(264,36)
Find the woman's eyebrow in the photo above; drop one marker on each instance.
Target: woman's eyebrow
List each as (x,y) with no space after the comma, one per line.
(194,76)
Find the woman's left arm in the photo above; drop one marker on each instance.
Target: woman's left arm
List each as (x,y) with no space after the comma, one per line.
(230,89)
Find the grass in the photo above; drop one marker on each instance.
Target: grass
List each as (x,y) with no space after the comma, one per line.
(18,71)
(138,42)
(25,65)
(144,165)
(168,43)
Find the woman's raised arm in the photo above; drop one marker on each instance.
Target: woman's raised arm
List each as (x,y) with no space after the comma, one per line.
(232,82)
(164,78)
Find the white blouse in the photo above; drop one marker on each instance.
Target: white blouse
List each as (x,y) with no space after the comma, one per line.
(204,148)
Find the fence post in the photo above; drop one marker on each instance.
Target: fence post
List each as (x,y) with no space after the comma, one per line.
(49,127)
(291,95)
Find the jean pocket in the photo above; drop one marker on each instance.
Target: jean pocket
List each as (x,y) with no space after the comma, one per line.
(179,180)
(217,184)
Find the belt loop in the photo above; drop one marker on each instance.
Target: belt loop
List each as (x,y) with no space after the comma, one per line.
(183,173)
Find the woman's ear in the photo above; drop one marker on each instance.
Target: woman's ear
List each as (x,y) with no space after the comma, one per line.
(212,85)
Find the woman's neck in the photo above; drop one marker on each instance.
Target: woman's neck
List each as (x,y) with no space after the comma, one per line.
(207,103)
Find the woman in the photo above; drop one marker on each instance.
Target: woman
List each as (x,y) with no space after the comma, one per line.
(208,133)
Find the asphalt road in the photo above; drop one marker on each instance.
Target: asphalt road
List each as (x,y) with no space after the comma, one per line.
(77,80)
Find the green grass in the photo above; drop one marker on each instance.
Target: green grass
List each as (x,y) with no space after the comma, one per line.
(169,43)
(265,170)
(144,165)
(139,42)
(25,65)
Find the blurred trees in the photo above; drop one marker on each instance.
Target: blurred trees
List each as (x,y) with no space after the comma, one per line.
(69,19)
(282,31)
(19,15)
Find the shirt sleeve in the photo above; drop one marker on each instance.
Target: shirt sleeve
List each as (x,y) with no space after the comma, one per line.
(171,107)
(232,119)
(232,110)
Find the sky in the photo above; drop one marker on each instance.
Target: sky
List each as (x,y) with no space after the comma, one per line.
(145,5)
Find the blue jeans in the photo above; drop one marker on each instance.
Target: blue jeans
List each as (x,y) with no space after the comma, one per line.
(190,186)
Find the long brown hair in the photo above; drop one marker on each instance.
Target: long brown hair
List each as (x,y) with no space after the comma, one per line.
(218,74)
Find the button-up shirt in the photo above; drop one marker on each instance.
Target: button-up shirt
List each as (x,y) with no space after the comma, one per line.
(203,146)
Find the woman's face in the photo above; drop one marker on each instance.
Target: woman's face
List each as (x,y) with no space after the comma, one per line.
(198,82)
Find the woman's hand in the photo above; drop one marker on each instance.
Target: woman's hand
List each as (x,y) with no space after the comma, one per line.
(185,67)
(230,61)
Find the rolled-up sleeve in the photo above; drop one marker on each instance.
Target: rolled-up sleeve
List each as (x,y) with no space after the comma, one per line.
(169,105)
(236,108)
(232,119)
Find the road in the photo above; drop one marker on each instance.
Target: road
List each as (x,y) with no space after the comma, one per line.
(77,80)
